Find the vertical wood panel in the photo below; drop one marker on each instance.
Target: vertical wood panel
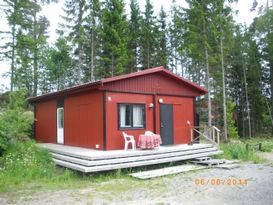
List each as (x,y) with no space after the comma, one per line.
(152,83)
(83,121)
(45,122)
(114,135)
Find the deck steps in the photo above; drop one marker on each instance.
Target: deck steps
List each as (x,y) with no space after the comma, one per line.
(90,154)
(129,159)
(217,163)
(86,160)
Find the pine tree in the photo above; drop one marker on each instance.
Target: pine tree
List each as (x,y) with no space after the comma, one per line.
(176,30)
(15,13)
(114,39)
(92,23)
(57,67)
(134,37)
(265,36)
(73,29)
(197,36)
(148,45)
(162,43)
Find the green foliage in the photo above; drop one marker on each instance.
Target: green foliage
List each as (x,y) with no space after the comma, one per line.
(24,160)
(57,63)
(161,38)
(148,32)
(97,40)
(15,122)
(266,141)
(25,163)
(134,36)
(238,151)
(113,34)
(232,130)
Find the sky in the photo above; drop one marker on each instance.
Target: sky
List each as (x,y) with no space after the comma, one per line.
(53,12)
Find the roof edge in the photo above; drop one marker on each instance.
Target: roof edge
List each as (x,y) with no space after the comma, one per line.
(135,74)
(198,87)
(95,85)
(74,89)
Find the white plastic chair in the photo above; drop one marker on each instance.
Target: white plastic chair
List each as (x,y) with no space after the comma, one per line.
(129,139)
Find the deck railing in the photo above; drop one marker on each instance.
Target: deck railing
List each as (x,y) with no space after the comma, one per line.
(211,134)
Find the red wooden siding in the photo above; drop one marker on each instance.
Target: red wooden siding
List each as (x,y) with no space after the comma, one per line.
(152,83)
(45,124)
(84,116)
(83,120)
(182,112)
(114,138)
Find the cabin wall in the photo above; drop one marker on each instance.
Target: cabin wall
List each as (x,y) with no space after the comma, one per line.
(83,120)
(183,111)
(114,138)
(152,83)
(45,121)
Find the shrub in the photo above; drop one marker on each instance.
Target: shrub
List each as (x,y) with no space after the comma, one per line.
(15,121)
(25,161)
(232,130)
(267,142)
(238,151)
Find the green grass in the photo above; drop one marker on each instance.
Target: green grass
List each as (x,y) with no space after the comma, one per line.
(238,152)
(267,143)
(237,149)
(26,166)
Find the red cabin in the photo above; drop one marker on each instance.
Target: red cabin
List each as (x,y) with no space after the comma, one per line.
(94,115)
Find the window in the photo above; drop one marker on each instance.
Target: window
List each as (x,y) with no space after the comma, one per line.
(60,117)
(131,116)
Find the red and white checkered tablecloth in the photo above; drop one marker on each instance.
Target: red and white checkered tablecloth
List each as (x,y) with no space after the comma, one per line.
(149,141)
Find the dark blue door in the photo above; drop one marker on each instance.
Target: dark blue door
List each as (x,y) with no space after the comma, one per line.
(166,124)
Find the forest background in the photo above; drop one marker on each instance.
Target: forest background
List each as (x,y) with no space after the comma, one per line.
(198,40)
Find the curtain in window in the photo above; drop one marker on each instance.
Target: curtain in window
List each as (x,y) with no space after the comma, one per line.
(122,112)
(138,116)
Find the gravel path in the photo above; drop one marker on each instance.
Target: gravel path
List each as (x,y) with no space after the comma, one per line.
(250,184)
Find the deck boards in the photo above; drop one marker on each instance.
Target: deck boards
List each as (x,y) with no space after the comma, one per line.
(88,160)
(166,171)
(129,159)
(91,154)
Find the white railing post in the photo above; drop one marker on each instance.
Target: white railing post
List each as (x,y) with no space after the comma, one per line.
(191,130)
(213,134)
(218,138)
(191,134)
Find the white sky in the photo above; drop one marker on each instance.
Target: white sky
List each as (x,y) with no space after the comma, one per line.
(53,12)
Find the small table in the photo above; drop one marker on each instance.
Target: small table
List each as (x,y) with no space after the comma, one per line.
(149,141)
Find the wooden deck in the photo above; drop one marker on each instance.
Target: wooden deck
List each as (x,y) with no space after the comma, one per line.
(88,160)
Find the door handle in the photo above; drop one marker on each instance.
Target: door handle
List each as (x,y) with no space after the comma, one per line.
(161,125)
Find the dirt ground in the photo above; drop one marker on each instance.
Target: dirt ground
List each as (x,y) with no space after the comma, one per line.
(249,184)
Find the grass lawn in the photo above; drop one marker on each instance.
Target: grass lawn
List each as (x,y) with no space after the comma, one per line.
(29,168)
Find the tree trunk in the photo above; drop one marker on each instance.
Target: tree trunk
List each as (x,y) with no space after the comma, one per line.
(247,100)
(80,65)
(224,91)
(271,85)
(148,56)
(208,86)
(112,66)
(92,78)
(35,56)
(12,59)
